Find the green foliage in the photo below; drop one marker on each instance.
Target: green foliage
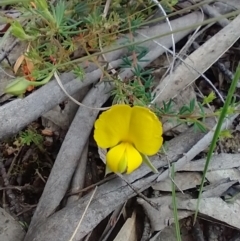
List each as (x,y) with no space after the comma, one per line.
(24,225)
(168,5)
(55,31)
(8,2)
(136,91)
(187,109)
(167,108)
(208,99)
(225,134)
(79,72)
(30,136)
(199,126)
(184,114)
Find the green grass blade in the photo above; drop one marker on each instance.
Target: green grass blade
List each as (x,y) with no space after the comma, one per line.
(217,132)
(7,2)
(175,211)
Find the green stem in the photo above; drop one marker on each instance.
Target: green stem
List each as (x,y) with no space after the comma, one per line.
(217,132)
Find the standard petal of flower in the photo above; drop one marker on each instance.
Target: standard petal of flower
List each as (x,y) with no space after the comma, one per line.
(115,158)
(145,130)
(134,158)
(112,126)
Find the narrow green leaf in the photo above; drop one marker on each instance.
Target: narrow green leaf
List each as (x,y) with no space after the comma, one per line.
(18,31)
(175,211)
(217,132)
(201,109)
(200,126)
(192,105)
(107,170)
(8,2)
(148,163)
(184,109)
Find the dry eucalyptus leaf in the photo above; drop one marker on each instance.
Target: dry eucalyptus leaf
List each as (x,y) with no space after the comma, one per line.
(218,162)
(112,221)
(162,217)
(10,229)
(214,208)
(216,190)
(102,154)
(128,230)
(167,234)
(218,175)
(183,180)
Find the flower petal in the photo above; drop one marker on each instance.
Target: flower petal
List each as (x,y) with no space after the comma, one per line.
(112,126)
(115,158)
(145,130)
(123,157)
(133,157)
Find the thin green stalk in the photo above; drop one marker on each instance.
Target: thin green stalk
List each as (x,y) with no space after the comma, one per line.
(8,2)
(217,132)
(175,211)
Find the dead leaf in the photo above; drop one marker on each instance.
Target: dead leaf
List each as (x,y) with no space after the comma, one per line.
(27,67)
(18,63)
(47,132)
(218,162)
(10,228)
(128,230)
(216,190)
(183,180)
(10,150)
(162,217)
(214,208)
(29,64)
(102,154)
(113,220)
(218,175)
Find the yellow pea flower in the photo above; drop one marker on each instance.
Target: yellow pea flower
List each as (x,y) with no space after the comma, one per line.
(129,132)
